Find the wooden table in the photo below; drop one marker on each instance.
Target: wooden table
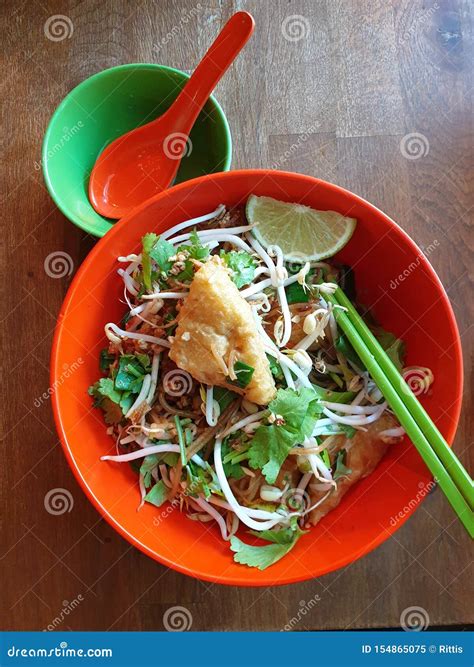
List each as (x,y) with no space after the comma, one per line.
(338,99)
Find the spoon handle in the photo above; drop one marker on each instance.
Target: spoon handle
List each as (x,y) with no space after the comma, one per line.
(220,55)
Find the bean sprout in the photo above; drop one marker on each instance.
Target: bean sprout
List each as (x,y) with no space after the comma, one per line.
(194,221)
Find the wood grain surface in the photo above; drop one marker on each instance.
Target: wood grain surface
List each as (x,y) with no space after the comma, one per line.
(336,100)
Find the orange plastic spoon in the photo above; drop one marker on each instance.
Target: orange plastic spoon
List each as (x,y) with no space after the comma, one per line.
(144,161)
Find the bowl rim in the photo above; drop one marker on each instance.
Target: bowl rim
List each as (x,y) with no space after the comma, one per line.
(92,80)
(246,581)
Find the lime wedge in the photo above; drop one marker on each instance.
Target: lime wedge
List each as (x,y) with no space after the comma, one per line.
(302,233)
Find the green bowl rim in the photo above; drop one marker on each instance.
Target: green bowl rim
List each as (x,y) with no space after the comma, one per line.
(75,219)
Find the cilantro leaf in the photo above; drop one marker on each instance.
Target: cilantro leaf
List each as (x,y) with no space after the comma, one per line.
(104,388)
(148,242)
(282,536)
(161,251)
(158,494)
(187,274)
(244,374)
(299,409)
(271,444)
(106,396)
(262,557)
(126,401)
(201,480)
(113,413)
(269,448)
(242,266)
(195,248)
(148,464)
(341,469)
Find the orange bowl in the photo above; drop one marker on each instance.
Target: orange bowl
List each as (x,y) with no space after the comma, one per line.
(393,277)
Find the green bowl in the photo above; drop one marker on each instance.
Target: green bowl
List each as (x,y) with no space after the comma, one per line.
(106,106)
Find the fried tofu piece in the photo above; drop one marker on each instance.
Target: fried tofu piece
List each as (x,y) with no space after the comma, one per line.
(365,450)
(216,329)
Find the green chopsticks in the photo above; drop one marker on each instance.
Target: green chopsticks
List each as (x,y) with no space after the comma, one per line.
(448,471)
